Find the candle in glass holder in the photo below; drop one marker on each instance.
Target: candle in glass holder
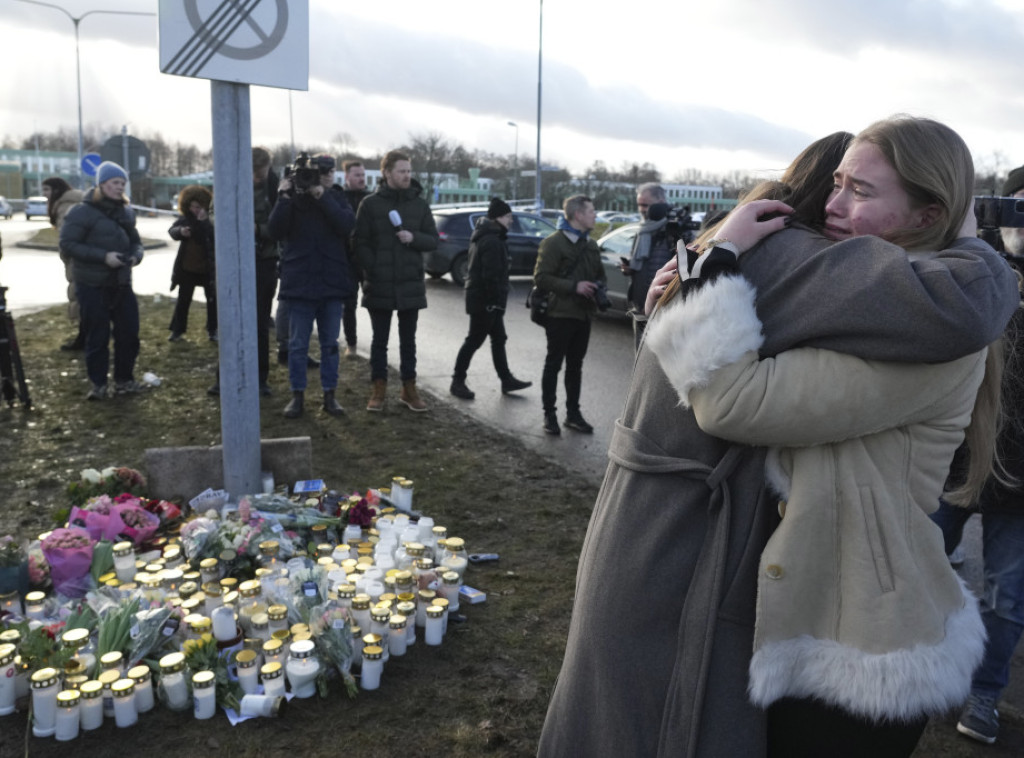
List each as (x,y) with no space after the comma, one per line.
(68,719)
(7,677)
(204,694)
(44,702)
(125,714)
(91,708)
(143,679)
(124,561)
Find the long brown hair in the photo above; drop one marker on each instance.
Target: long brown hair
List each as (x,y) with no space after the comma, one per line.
(57,188)
(805,185)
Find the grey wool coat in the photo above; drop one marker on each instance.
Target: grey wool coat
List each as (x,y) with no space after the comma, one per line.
(661,637)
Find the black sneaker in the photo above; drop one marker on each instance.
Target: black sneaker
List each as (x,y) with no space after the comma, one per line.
(282,357)
(130,387)
(176,337)
(459,389)
(576,422)
(979,719)
(78,343)
(551,424)
(213,336)
(214,391)
(513,385)
(98,392)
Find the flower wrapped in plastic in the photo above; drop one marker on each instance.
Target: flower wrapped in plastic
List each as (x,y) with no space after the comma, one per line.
(198,539)
(331,626)
(38,568)
(69,553)
(149,633)
(308,588)
(138,524)
(110,481)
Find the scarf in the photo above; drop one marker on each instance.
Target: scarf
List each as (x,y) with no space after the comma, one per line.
(565,226)
(642,244)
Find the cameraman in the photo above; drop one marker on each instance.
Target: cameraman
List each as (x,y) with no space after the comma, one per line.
(100,239)
(652,249)
(1002,519)
(314,221)
(569,265)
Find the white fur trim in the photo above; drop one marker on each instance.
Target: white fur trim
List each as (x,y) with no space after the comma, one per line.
(776,476)
(899,685)
(711,328)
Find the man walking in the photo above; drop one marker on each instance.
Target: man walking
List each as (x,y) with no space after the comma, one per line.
(394,227)
(486,298)
(569,266)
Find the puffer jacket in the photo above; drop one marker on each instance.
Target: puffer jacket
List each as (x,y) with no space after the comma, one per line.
(487,280)
(93,228)
(314,257)
(563,260)
(857,605)
(393,272)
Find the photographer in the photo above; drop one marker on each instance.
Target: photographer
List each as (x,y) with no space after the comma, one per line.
(100,238)
(194,265)
(1002,515)
(314,221)
(569,266)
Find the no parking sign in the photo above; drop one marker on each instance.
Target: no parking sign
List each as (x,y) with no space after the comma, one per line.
(245,41)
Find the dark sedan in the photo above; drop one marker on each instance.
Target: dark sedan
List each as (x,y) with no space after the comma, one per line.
(455,226)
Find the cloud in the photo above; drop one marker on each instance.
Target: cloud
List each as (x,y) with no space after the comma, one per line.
(481,79)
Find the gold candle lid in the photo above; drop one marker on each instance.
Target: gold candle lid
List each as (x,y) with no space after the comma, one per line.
(203,679)
(123,687)
(68,698)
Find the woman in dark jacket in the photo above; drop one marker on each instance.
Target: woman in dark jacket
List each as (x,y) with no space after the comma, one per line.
(486,297)
(100,238)
(194,264)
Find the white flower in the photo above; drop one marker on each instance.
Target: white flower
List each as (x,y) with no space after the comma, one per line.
(212,514)
(108,472)
(91,475)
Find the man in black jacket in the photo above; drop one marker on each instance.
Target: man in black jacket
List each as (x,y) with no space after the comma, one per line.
(486,297)
(355,192)
(315,224)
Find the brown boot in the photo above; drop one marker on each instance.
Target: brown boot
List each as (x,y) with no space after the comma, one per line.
(411,398)
(377,397)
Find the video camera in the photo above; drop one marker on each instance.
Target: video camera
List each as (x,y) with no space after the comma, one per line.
(995,212)
(680,225)
(305,172)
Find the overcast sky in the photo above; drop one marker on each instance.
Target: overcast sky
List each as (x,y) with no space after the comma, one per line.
(716,85)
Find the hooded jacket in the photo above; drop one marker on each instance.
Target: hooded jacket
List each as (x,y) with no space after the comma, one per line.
(93,228)
(393,272)
(487,279)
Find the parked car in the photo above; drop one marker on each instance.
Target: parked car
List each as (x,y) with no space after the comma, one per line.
(620,218)
(615,245)
(456,225)
(36,206)
(5,208)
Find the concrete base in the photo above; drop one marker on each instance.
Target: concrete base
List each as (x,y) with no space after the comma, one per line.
(184,472)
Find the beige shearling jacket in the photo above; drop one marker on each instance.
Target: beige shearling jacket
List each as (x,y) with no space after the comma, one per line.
(857,604)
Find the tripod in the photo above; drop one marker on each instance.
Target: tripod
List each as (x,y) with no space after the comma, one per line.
(12,374)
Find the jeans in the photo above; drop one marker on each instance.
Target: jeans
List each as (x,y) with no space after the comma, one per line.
(380,320)
(1002,599)
(179,321)
(103,308)
(568,339)
(266,286)
(348,319)
(301,314)
(481,326)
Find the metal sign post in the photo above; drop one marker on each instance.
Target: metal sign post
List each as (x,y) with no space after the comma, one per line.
(236,44)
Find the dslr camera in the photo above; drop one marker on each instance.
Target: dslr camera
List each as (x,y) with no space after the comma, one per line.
(601,296)
(304,173)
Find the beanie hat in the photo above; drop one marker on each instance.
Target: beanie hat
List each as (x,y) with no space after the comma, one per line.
(498,208)
(1014,182)
(109,170)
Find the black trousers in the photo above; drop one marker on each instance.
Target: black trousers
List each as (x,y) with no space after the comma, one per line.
(568,339)
(481,326)
(805,728)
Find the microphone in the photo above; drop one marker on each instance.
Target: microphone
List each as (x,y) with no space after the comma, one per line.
(396,220)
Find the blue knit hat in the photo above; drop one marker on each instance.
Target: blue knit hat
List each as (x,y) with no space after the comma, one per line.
(109,170)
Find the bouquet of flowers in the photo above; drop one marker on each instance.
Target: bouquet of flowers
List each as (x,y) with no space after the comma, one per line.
(110,481)
(13,566)
(331,627)
(361,513)
(69,553)
(114,519)
(202,655)
(12,552)
(38,568)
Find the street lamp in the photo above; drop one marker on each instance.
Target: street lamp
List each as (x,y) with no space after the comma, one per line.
(540,60)
(515,163)
(76,20)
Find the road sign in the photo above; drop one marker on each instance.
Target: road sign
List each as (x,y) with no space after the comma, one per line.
(90,162)
(245,41)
